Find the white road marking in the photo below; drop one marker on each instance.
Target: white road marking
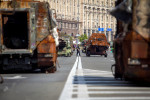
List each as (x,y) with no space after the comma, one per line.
(116,98)
(115,92)
(66,94)
(15,77)
(121,88)
(84,84)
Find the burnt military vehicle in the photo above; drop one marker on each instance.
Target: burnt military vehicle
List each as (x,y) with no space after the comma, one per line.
(97,45)
(132,41)
(28,34)
(64,48)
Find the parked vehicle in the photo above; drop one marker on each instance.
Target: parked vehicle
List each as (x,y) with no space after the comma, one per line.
(132,42)
(97,45)
(64,48)
(84,44)
(28,35)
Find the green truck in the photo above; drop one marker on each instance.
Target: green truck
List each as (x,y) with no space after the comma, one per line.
(64,48)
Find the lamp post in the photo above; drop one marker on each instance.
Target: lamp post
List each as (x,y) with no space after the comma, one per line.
(61,22)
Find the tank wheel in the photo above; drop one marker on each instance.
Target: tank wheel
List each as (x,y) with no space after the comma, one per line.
(51,69)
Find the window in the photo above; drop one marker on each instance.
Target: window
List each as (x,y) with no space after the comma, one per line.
(111,19)
(97,1)
(76,25)
(102,3)
(64,25)
(107,18)
(111,25)
(84,31)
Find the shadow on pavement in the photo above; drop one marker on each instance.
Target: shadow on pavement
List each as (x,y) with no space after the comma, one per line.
(106,81)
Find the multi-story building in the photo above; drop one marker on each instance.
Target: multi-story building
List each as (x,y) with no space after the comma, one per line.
(85,16)
(96,17)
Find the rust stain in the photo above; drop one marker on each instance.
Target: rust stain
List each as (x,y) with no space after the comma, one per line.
(98,39)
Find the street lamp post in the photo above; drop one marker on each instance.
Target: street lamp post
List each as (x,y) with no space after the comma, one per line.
(61,22)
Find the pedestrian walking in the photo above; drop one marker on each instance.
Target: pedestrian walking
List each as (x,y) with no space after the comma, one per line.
(78,51)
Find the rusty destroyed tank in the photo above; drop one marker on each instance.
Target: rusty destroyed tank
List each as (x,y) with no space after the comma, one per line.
(26,35)
(97,45)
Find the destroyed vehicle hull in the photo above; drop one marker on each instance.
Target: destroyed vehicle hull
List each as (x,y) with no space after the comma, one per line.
(64,48)
(97,45)
(97,50)
(26,38)
(131,47)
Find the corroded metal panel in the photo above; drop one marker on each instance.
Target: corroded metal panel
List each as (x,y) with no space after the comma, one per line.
(39,27)
(39,18)
(97,44)
(98,39)
(137,47)
(132,49)
(141,18)
(47,52)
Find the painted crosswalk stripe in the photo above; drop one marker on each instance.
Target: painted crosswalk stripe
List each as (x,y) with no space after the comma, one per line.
(66,94)
(88,84)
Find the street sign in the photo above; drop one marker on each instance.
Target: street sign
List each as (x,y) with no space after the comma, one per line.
(109,29)
(100,29)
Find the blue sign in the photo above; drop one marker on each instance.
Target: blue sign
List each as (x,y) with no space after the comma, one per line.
(109,29)
(100,29)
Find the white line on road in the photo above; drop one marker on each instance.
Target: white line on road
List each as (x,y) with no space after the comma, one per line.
(115,92)
(15,77)
(116,98)
(66,93)
(115,88)
(88,84)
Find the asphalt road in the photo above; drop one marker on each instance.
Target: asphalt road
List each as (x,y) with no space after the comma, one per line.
(82,78)
(36,86)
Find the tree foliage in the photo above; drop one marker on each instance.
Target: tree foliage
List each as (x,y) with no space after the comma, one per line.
(82,37)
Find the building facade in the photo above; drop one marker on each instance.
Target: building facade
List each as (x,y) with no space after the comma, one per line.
(84,17)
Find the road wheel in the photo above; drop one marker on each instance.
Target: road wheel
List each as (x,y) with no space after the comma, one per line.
(51,69)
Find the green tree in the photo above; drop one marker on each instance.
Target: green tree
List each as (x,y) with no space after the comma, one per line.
(82,37)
